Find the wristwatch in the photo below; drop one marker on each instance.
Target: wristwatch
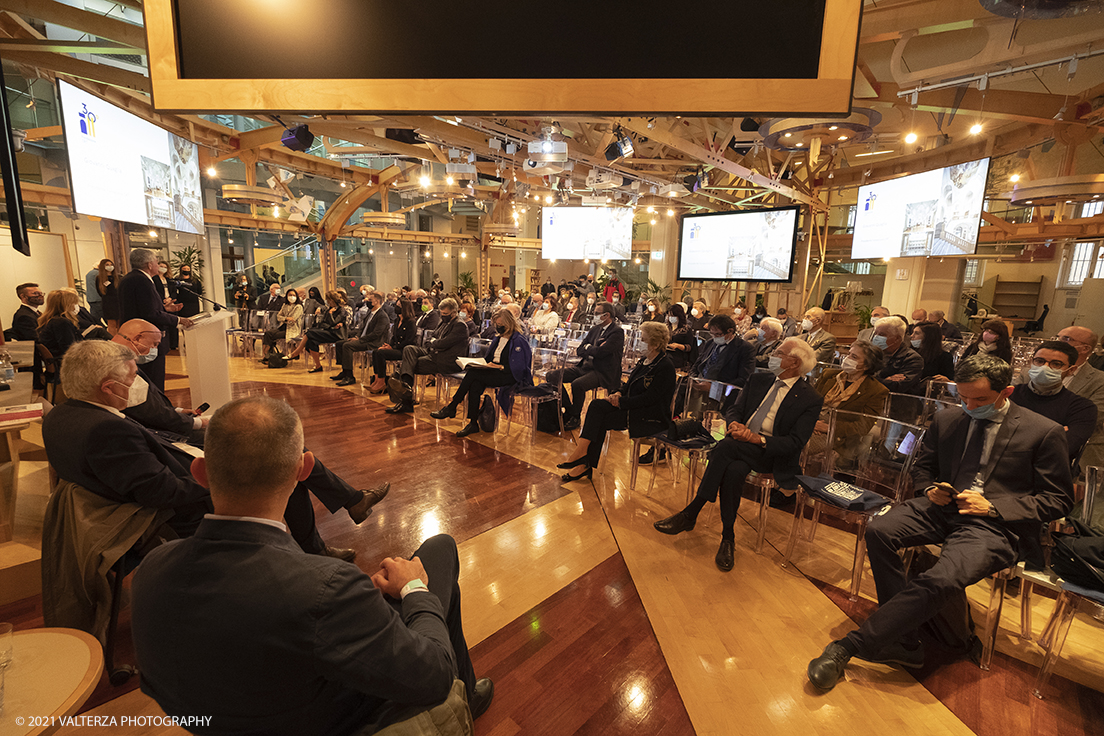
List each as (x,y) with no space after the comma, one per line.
(993,513)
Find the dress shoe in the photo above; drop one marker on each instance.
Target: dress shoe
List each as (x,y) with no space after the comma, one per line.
(398,387)
(647,458)
(339,377)
(470,428)
(349,381)
(568,477)
(898,653)
(781,500)
(402,407)
(827,669)
(448,411)
(378,386)
(362,509)
(315,370)
(572,463)
(341,554)
(677,524)
(726,555)
(571,423)
(482,697)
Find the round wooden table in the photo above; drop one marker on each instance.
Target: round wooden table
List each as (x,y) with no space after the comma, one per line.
(51,675)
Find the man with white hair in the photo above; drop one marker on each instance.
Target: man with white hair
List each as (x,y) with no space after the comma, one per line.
(822,341)
(770,337)
(903,365)
(768,427)
(138,299)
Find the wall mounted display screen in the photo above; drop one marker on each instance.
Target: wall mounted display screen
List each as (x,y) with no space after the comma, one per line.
(574,233)
(935,213)
(124,168)
(752,245)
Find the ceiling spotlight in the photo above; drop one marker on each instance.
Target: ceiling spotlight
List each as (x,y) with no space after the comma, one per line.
(621,146)
(212,171)
(787,135)
(975,129)
(653,221)
(910,138)
(371,251)
(842,138)
(463,254)
(424,181)
(428,254)
(390,252)
(670,213)
(1014,178)
(342,185)
(450,181)
(152,233)
(833,127)
(650,210)
(548,199)
(638,261)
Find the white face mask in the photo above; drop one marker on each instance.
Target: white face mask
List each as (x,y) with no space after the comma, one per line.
(75,310)
(590,301)
(806,324)
(109,268)
(292,299)
(695,312)
(850,365)
(673,320)
(774,364)
(136,392)
(651,308)
(615,299)
(545,306)
(739,312)
(148,357)
(874,321)
(162,269)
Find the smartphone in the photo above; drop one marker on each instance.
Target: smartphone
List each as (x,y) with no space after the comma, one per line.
(202,408)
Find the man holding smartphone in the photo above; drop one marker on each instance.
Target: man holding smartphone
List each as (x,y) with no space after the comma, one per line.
(987,476)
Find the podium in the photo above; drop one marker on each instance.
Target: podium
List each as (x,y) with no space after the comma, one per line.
(207,358)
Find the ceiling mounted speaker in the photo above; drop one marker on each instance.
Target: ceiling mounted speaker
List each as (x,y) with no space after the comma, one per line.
(298,138)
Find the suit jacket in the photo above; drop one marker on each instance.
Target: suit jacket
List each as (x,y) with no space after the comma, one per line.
(305,643)
(909,364)
(950,330)
(449,341)
(647,395)
(601,351)
(57,335)
(793,422)
(583,314)
(157,412)
(25,324)
(429,320)
(1089,382)
(138,299)
(117,458)
(824,343)
(763,351)
(376,329)
(267,302)
(733,365)
(1027,477)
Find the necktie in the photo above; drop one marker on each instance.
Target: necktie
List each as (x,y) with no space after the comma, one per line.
(712,360)
(970,464)
(756,422)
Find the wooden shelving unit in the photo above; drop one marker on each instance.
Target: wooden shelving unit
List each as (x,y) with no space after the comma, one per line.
(844,325)
(1017,299)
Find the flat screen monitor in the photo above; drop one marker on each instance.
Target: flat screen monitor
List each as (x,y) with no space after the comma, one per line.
(124,168)
(573,233)
(749,245)
(934,213)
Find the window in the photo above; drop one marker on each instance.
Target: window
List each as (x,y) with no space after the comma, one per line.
(851,211)
(1098,269)
(970,275)
(1090,209)
(1080,263)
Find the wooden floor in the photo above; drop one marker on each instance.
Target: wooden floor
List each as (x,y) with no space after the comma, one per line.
(591,622)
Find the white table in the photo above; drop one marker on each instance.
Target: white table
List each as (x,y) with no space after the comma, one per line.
(52,674)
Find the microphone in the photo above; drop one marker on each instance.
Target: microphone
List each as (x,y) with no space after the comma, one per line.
(182,285)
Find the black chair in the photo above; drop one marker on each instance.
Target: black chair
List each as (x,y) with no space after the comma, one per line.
(1036,325)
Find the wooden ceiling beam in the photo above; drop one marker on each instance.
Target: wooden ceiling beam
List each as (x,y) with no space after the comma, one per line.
(101,26)
(68,47)
(1028,107)
(66,65)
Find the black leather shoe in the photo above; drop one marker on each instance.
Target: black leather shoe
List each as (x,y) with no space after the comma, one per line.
(482,697)
(677,524)
(362,509)
(342,554)
(399,387)
(827,669)
(346,381)
(339,377)
(448,411)
(647,458)
(571,463)
(726,555)
(315,370)
(571,423)
(897,653)
(470,428)
(400,408)
(568,477)
(780,500)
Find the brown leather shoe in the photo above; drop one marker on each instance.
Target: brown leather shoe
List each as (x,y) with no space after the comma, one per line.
(362,509)
(342,554)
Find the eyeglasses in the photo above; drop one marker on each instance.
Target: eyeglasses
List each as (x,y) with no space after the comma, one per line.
(1067,339)
(1058,365)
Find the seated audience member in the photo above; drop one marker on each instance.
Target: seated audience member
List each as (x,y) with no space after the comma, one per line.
(328,328)
(449,342)
(822,342)
(927,341)
(467,316)
(57,325)
(1044,394)
(392,309)
(509,368)
(727,358)
(760,313)
(652,312)
(271,301)
(903,365)
(790,327)
(1086,381)
(430,316)
(532,305)
(546,319)
(853,388)
(601,352)
(876,314)
(768,426)
(236,622)
(568,314)
(90,442)
(289,323)
(949,330)
(993,340)
(24,324)
(313,304)
(699,316)
(918,316)
(742,319)
(987,475)
(405,332)
(682,346)
(372,335)
(585,314)
(769,338)
(642,404)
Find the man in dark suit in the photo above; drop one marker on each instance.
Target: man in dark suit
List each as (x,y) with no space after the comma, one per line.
(374,332)
(768,427)
(903,365)
(238,623)
(987,477)
(601,351)
(272,300)
(430,318)
(585,313)
(728,358)
(24,325)
(449,342)
(90,442)
(138,299)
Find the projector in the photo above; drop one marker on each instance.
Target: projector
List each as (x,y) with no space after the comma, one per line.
(467,170)
(673,190)
(590,200)
(298,138)
(603,179)
(548,151)
(539,168)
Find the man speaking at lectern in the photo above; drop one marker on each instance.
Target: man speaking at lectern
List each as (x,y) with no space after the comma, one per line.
(138,299)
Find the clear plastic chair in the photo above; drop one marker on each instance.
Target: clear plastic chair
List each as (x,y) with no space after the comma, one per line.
(545,360)
(942,390)
(477,348)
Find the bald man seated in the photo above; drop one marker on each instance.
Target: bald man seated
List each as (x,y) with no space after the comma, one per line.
(949,329)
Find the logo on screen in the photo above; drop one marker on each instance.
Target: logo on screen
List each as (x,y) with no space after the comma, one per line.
(870,199)
(87,121)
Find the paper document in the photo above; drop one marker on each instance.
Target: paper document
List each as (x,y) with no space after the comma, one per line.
(188,449)
(471,362)
(19,414)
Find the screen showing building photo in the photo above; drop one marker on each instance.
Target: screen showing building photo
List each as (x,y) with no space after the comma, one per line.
(124,168)
(936,213)
(752,245)
(573,233)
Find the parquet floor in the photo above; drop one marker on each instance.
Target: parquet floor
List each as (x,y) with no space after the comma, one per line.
(591,622)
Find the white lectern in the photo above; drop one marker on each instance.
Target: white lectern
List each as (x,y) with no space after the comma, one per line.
(207,358)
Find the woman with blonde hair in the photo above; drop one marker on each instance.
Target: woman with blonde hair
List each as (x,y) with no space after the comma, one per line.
(57,325)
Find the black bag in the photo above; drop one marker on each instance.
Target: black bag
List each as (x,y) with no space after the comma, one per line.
(276,359)
(1078,556)
(841,494)
(488,415)
(686,429)
(547,421)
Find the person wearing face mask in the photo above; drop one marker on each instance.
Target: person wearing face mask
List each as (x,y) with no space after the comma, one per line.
(993,340)
(768,427)
(769,337)
(547,287)
(25,320)
(987,475)
(927,341)
(92,295)
(449,342)
(1086,381)
(585,314)
(546,318)
(759,315)
(288,324)
(853,387)
(822,342)
(601,351)
(531,306)
(876,314)
(790,326)
(429,318)
(567,316)
(614,288)
(682,347)
(57,325)
(652,312)
(699,316)
(1044,394)
(726,358)
(245,299)
(189,290)
(373,334)
(742,318)
(903,365)
(272,300)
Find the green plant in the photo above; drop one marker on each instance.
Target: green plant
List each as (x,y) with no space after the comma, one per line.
(863,311)
(661,294)
(78,284)
(466,282)
(189,256)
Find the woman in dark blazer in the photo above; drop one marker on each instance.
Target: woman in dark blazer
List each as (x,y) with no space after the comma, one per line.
(57,326)
(682,347)
(330,328)
(643,405)
(927,339)
(105,285)
(511,359)
(404,333)
(852,388)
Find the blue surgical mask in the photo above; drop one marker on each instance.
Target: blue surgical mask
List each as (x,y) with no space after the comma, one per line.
(720,340)
(1043,376)
(774,364)
(762,335)
(916,343)
(988,411)
(880,341)
(148,357)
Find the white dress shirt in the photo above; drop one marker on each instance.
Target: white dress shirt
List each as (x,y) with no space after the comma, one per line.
(768,421)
